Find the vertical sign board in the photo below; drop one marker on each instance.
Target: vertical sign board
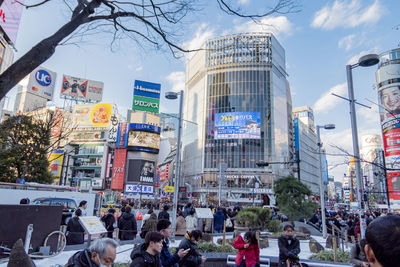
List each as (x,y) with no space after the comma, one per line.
(11,12)
(42,82)
(56,161)
(146,96)
(388,86)
(118,170)
(296,139)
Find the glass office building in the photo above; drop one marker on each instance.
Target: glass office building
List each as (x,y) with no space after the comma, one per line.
(237,113)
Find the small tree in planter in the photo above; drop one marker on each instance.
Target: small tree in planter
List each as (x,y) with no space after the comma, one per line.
(254,218)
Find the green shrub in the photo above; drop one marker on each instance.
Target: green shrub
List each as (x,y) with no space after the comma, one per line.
(211,247)
(275,226)
(327,255)
(264,217)
(121,264)
(247,216)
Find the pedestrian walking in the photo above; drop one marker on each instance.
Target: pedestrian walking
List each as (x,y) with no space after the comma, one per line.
(219,219)
(109,221)
(150,225)
(75,232)
(191,221)
(193,257)
(187,209)
(127,225)
(164,213)
(102,252)
(289,247)
(167,259)
(148,253)
(180,224)
(248,250)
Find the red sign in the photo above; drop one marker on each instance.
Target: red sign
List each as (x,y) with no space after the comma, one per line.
(394,185)
(164,172)
(57,123)
(118,170)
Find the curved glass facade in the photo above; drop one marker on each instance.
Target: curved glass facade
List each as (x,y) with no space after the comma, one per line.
(238,89)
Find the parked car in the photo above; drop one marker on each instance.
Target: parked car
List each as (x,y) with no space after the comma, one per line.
(68,204)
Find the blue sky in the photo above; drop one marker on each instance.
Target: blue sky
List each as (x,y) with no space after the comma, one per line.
(319,41)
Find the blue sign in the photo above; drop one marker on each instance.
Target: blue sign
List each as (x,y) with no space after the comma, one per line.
(296,138)
(147,89)
(43,77)
(144,127)
(237,125)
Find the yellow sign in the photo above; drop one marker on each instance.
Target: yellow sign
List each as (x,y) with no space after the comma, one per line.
(352,162)
(56,161)
(92,115)
(168,189)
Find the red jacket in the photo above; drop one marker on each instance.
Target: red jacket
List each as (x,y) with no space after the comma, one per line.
(251,254)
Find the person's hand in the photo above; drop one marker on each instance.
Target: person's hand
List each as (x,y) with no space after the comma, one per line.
(366,264)
(182,253)
(246,245)
(203,259)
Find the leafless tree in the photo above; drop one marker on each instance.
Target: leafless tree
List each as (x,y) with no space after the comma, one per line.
(152,21)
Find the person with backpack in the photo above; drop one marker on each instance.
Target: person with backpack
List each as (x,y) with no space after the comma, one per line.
(127,225)
(164,213)
(289,247)
(150,225)
(109,221)
(191,221)
(248,250)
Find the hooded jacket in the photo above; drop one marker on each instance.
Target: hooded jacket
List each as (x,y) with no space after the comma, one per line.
(193,258)
(81,259)
(251,254)
(141,258)
(127,226)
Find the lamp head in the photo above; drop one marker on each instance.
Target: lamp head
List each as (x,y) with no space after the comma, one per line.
(329,126)
(368,60)
(171,95)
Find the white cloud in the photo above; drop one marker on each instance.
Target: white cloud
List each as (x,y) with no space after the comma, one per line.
(279,26)
(243,2)
(177,80)
(202,34)
(328,101)
(347,14)
(347,42)
(354,59)
(139,68)
(370,116)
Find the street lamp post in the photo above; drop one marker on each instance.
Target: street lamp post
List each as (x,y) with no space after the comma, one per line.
(173,95)
(321,181)
(365,61)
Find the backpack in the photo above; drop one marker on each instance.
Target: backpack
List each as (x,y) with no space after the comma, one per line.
(228,223)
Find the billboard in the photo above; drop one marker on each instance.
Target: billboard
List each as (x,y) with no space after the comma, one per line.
(134,188)
(144,127)
(141,171)
(144,139)
(118,170)
(92,115)
(122,135)
(113,132)
(10,16)
(42,82)
(394,185)
(147,89)
(82,88)
(56,161)
(146,104)
(237,125)
(57,123)
(164,172)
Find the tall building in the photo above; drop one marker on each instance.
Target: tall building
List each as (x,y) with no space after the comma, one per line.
(388,86)
(306,148)
(237,113)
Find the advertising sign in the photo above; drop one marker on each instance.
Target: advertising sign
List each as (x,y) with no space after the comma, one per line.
(237,125)
(296,139)
(147,89)
(92,225)
(146,104)
(82,88)
(10,16)
(93,115)
(164,169)
(168,189)
(56,161)
(113,132)
(57,123)
(141,171)
(134,188)
(144,127)
(122,136)
(144,139)
(42,82)
(118,170)
(394,185)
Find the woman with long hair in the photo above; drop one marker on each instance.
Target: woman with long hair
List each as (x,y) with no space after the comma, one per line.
(248,250)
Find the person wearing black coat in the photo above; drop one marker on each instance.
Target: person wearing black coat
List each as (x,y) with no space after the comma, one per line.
(148,253)
(75,231)
(193,257)
(289,246)
(109,221)
(164,214)
(127,225)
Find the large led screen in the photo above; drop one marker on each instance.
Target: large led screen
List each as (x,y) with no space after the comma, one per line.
(144,139)
(237,125)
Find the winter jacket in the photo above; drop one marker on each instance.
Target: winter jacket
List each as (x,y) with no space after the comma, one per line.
(219,219)
(127,226)
(109,220)
(163,215)
(251,254)
(75,232)
(289,246)
(193,258)
(151,224)
(191,223)
(81,259)
(141,258)
(180,226)
(357,256)
(168,260)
